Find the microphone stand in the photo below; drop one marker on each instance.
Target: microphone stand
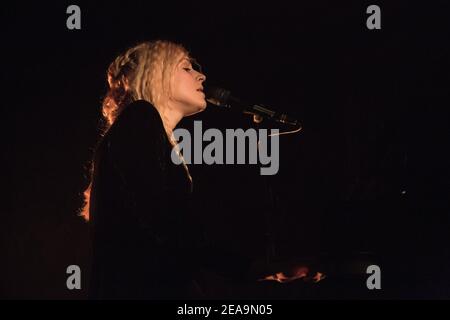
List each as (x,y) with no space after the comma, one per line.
(270,245)
(271,228)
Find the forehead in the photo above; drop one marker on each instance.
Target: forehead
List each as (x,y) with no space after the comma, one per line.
(184,59)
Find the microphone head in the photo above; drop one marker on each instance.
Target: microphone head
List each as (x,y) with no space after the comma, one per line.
(218,96)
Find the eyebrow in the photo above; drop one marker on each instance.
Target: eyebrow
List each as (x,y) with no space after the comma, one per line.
(186,59)
(194,64)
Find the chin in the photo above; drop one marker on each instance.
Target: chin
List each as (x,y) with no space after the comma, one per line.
(203,107)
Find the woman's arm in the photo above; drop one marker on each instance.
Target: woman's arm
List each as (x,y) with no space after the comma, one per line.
(137,149)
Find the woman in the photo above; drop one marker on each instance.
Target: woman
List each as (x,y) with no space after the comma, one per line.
(145,239)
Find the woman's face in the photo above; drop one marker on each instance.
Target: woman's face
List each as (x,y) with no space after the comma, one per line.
(187,88)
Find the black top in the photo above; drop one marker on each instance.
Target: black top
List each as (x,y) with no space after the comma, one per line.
(146,240)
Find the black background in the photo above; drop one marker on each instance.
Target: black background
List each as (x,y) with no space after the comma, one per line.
(368,173)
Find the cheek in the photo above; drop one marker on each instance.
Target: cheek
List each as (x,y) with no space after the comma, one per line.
(187,87)
(183,85)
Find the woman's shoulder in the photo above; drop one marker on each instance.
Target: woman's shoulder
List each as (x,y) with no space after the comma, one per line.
(138,125)
(138,118)
(139,111)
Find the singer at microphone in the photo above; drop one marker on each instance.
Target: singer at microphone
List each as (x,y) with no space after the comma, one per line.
(223,98)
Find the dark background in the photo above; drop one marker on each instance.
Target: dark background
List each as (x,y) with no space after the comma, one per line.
(367,178)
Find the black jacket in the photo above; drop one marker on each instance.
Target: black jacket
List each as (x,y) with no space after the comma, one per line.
(146,240)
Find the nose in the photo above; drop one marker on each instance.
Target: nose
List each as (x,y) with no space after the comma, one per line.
(201,77)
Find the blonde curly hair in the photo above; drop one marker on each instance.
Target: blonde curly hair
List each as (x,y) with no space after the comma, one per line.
(142,72)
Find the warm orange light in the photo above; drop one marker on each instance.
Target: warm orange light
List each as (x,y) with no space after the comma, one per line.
(297,273)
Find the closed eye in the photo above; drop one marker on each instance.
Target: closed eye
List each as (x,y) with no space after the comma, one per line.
(187,69)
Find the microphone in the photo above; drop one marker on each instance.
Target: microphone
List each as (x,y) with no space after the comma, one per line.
(223,98)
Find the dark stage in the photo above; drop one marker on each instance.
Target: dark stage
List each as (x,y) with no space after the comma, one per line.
(366,181)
